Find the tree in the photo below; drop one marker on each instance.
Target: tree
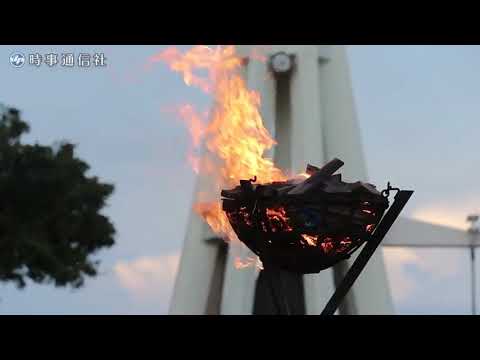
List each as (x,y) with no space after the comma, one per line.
(50,223)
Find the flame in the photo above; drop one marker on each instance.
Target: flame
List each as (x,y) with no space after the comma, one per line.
(278,213)
(233,133)
(248,262)
(304,175)
(278,216)
(219,224)
(311,240)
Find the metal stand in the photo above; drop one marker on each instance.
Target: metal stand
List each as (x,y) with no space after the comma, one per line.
(278,292)
(401,198)
(473,278)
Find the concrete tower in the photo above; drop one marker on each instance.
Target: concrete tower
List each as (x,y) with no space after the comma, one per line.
(307,105)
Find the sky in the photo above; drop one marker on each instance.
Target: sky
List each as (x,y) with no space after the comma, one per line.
(418,109)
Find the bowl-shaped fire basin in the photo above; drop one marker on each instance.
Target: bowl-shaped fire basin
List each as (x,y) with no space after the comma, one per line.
(304,226)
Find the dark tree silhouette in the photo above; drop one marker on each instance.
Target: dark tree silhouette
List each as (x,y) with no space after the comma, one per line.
(49,211)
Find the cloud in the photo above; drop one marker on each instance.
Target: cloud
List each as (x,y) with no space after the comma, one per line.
(451,214)
(433,280)
(149,279)
(427,279)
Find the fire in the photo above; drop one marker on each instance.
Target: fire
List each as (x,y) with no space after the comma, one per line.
(327,245)
(278,218)
(277,213)
(248,262)
(311,240)
(233,132)
(304,175)
(344,244)
(219,224)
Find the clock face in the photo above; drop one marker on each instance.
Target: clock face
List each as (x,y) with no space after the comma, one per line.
(281,63)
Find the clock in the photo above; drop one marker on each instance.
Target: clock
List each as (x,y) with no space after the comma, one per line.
(281,63)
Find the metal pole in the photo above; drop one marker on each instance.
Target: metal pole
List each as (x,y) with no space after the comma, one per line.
(473,278)
(474,231)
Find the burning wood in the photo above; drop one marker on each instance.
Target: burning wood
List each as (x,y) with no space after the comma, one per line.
(304,226)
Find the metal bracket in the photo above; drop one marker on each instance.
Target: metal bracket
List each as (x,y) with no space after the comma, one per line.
(401,199)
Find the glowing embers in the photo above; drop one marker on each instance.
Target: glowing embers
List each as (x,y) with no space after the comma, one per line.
(329,245)
(304,225)
(278,219)
(310,240)
(245,216)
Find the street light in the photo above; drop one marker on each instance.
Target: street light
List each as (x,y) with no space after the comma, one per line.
(474,231)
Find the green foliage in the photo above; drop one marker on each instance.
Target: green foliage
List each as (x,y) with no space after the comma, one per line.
(49,211)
